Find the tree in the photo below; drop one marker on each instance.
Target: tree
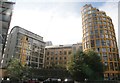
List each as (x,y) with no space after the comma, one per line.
(16,70)
(85,65)
(77,65)
(94,62)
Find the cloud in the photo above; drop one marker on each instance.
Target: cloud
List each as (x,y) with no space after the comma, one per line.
(59,21)
(56,22)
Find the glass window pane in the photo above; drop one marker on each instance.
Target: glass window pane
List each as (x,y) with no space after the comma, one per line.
(97,42)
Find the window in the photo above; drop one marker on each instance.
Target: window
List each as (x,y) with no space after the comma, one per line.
(91,32)
(104,55)
(97,36)
(98,18)
(89,12)
(87,44)
(108,42)
(94,15)
(96,31)
(116,66)
(103,18)
(5,18)
(93,11)
(65,58)
(60,58)
(92,36)
(101,26)
(103,14)
(109,28)
(98,50)
(92,43)
(90,24)
(103,49)
(101,36)
(56,58)
(105,58)
(90,27)
(110,36)
(65,52)
(47,58)
(104,27)
(97,42)
(87,34)
(108,49)
(51,58)
(89,20)
(111,66)
(111,43)
(106,31)
(52,53)
(103,42)
(110,57)
(106,36)
(86,29)
(60,52)
(95,27)
(64,62)
(101,31)
(99,22)
(69,52)
(95,23)
(47,53)
(27,38)
(106,65)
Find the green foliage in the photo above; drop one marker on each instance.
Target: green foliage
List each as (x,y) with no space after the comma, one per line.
(86,65)
(16,70)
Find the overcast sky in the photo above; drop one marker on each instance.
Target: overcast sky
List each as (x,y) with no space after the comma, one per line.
(57,21)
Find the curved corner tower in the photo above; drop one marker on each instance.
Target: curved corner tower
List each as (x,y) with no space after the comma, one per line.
(99,35)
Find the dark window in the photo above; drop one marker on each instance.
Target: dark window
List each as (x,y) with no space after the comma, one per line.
(69,52)
(60,58)
(56,58)
(47,58)
(92,43)
(47,53)
(60,52)
(26,38)
(65,58)
(51,58)
(65,52)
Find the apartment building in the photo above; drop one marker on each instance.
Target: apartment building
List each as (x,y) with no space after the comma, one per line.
(25,46)
(99,35)
(60,55)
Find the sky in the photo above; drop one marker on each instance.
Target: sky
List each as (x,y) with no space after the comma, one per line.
(58,21)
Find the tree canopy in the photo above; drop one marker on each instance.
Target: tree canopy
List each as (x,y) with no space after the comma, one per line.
(86,65)
(16,70)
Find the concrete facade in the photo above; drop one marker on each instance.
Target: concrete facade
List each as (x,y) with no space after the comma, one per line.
(25,46)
